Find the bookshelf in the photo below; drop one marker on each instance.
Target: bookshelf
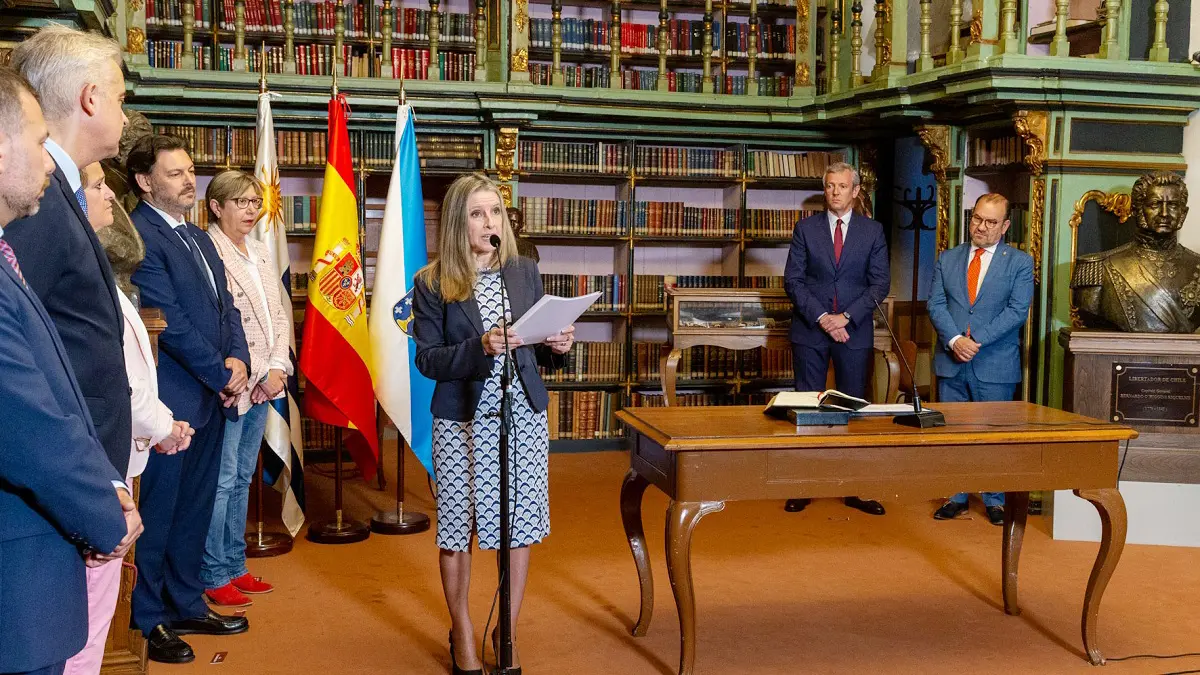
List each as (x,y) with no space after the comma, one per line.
(637,217)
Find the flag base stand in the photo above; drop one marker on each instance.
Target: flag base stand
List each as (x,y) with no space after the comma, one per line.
(340,530)
(398,520)
(261,544)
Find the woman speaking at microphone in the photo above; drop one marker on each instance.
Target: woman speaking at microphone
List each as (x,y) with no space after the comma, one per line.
(459,310)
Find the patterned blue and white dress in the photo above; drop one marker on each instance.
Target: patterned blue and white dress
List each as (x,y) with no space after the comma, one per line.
(466,458)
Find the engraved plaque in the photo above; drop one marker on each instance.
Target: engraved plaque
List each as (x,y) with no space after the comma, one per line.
(1161,394)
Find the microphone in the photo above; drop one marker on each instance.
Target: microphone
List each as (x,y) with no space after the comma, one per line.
(494,241)
(919,417)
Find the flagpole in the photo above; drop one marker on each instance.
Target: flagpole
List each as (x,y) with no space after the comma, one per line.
(341,530)
(259,543)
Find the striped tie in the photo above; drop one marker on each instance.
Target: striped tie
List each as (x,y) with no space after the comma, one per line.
(81,199)
(11,257)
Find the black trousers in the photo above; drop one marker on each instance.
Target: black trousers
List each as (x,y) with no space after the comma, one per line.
(176,504)
(850,367)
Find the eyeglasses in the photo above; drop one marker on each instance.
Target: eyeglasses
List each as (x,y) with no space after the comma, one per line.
(243,202)
(989,223)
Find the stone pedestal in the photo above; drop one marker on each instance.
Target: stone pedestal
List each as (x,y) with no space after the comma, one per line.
(1163,460)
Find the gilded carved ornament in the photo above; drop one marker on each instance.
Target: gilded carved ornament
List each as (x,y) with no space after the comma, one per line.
(936,139)
(1037,202)
(506,194)
(1033,126)
(520,61)
(521,17)
(977,27)
(135,41)
(802,10)
(802,74)
(506,151)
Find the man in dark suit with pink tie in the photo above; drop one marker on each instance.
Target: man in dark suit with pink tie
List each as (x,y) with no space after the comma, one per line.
(837,270)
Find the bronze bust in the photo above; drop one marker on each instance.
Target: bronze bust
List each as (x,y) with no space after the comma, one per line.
(525,248)
(1150,284)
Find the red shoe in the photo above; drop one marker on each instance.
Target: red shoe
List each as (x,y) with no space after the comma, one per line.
(249,584)
(228,596)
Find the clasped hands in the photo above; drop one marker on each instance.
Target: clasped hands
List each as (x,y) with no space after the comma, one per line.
(133,530)
(835,326)
(239,381)
(493,340)
(964,349)
(179,439)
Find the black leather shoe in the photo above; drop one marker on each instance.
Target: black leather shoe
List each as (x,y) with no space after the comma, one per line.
(164,646)
(212,623)
(995,515)
(950,510)
(796,505)
(869,506)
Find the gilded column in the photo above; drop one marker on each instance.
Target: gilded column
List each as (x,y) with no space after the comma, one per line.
(1111,49)
(804,56)
(481,41)
(856,42)
(506,152)
(663,34)
(435,27)
(706,50)
(339,37)
(955,53)
(1159,50)
(835,50)
(936,139)
(925,60)
(752,65)
(239,36)
(518,61)
(1060,46)
(1032,126)
(1008,28)
(614,43)
(556,40)
(187,12)
(883,47)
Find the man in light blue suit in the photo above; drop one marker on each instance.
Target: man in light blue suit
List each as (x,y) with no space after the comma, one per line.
(978,303)
(62,504)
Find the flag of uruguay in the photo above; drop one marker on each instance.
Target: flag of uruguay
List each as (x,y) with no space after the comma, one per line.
(402,391)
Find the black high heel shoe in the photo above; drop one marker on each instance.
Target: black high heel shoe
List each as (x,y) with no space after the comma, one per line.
(454,669)
(496,651)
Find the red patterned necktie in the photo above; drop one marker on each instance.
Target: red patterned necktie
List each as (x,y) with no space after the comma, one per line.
(11,257)
(837,255)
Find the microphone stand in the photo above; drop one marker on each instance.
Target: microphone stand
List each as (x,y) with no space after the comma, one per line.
(503,564)
(920,418)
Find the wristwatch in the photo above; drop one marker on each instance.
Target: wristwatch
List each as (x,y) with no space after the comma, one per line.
(847,315)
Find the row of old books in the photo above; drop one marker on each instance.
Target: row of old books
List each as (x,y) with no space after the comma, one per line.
(558,156)
(685,37)
(775,164)
(583,415)
(774,223)
(650,290)
(653,160)
(318,435)
(674,219)
(580,76)
(238,146)
(553,215)
(995,151)
(612,288)
(762,282)
(590,362)
(688,399)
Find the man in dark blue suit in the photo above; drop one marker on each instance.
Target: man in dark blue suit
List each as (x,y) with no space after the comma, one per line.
(64,262)
(61,501)
(202,366)
(978,303)
(837,270)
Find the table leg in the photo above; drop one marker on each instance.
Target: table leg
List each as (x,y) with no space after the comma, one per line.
(1111,506)
(682,518)
(1016,510)
(632,489)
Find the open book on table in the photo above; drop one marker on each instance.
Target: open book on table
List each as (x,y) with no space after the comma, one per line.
(816,400)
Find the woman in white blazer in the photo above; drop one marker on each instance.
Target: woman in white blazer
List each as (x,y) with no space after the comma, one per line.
(153,427)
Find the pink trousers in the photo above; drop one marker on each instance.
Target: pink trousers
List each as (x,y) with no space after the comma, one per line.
(103,585)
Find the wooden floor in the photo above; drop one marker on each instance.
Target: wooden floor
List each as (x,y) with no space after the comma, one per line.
(830,590)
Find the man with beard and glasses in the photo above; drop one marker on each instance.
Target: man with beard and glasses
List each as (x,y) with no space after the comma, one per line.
(202,369)
(59,504)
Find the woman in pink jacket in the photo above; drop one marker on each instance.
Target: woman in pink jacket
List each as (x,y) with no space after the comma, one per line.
(234,200)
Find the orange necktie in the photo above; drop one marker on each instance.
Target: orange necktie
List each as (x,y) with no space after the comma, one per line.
(973,275)
(973,280)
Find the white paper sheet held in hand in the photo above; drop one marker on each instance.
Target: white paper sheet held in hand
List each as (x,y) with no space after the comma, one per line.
(550,316)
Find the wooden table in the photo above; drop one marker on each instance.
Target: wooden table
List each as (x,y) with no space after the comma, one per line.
(703,457)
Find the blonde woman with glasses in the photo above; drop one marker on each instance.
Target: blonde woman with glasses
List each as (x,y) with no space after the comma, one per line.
(234,200)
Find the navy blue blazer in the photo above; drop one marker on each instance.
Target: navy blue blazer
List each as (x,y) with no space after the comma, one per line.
(996,318)
(56,490)
(63,262)
(202,329)
(450,349)
(861,278)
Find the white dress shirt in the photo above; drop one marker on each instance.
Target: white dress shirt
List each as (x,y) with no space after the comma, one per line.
(985,261)
(187,240)
(64,162)
(833,220)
